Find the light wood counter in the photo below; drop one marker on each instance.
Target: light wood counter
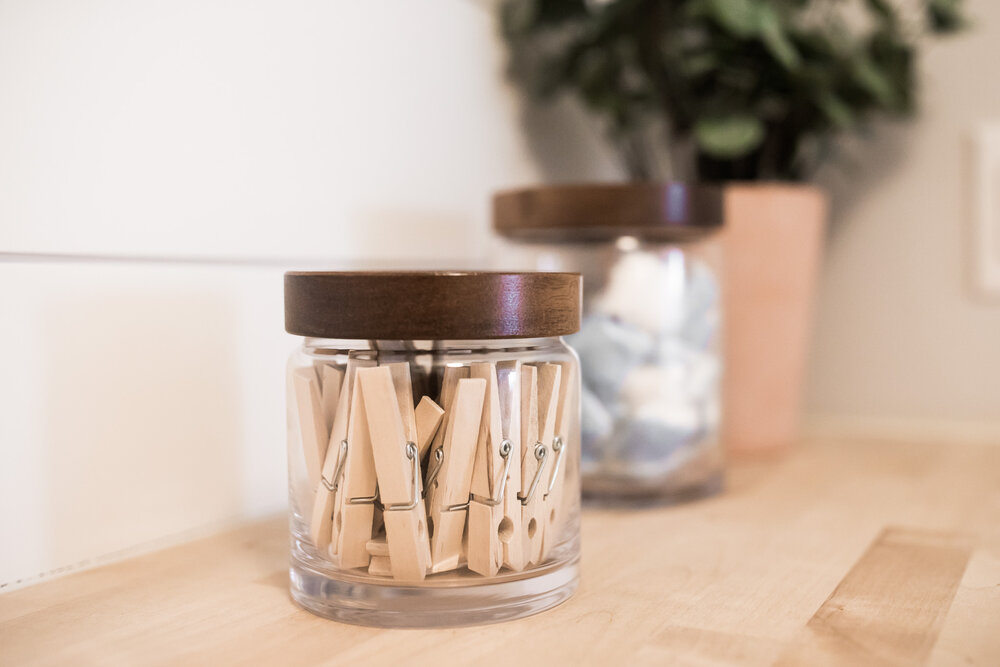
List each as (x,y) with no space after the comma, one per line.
(842,552)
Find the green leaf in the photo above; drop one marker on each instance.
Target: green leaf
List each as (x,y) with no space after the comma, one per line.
(697,64)
(729,136)
(874,81)
(773,35)
(593,69)
(518,17)
(754,19)
(883,9)
(945,16)
(835,109)
(740,17)
(554,13)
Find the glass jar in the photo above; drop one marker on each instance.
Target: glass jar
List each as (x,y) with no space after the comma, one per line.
(433,445)
(650,339)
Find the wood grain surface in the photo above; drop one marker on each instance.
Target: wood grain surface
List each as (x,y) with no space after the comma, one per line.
(890,607)
(849,553)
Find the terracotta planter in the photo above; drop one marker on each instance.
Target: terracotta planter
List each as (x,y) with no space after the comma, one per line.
(773,240)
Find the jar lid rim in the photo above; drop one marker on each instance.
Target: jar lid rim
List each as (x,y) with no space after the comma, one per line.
(672,212)
(430,305)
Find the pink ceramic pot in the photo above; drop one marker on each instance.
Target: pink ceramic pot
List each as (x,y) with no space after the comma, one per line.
(773,240)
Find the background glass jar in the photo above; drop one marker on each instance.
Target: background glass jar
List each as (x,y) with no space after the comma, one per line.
(650,339)
(433,445)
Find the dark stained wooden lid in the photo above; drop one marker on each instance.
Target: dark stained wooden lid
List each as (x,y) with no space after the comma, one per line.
(431,305)
(598,212)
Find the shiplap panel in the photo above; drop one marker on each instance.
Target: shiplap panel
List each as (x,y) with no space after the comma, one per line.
(139,402)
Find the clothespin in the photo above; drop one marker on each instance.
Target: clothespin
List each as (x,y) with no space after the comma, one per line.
(378,546)
(429,416)
(420,425)
(449,382)
(400,372)
(331,380)
(322,524)
(549,383)
(312,423)
(535,462)
(380,565)
(489,479)
(532,456)
(321,520)
(398,470)
(448,488)
(357,486)
(511,536)
(566,425)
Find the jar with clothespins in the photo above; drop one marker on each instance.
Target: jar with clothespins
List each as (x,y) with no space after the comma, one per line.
(433,445)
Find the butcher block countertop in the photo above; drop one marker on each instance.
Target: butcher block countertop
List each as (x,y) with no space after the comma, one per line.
(841,552)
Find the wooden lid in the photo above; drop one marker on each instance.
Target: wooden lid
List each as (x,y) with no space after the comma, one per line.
(599,212)
(431,305)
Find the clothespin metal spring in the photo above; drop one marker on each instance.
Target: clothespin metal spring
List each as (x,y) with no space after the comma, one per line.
(341,462)
(541,452)
(411,453)
(505,448)
(438,462)
(557,447)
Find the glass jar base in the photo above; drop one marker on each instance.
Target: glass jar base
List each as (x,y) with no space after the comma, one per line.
(391,606)
(626,490)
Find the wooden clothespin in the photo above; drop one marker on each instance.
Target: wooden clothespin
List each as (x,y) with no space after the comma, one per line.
(449,383)
(380,566)
(312,422)
(354,505)
(535,461)
(332,378)
(322,521)
(400,372)
(420,425)
(398,470)
(429,416)
(401,382)
(549,382)
(489,479)
(378,546)
(448,488)
(378,549)
(532,456)
(509,385)
(566,426)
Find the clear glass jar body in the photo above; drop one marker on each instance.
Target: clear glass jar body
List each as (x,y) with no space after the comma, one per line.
(460,546)
(651,365)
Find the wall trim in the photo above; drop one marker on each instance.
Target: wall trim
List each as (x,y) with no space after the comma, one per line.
(902,428)
(141,549)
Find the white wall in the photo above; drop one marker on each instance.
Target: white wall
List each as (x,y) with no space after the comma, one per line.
(215,143)
(904,337)
(251,129)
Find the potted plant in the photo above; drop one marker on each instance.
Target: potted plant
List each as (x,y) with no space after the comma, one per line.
(750,93)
